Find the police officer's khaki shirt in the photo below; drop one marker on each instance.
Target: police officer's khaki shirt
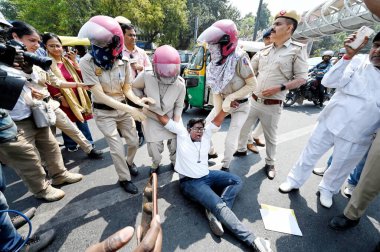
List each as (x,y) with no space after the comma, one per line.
(112,81)
(243,71)
(169,101)
(276,66)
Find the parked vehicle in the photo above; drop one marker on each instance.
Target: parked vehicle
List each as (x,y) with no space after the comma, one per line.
(185,57)
(197,93)
(308,91)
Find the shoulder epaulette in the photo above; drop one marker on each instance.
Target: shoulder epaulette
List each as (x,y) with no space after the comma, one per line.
(297,43)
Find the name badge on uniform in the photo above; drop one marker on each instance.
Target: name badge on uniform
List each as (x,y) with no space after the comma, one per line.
(98,71)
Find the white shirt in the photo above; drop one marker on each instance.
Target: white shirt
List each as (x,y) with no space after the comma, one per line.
(188,151)
(353,113)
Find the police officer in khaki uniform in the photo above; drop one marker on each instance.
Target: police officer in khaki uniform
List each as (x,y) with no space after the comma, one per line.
(112,79)
(280,66)
(231,78)
(164,85)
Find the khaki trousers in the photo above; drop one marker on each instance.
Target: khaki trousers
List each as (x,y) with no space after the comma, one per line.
(258,130)
(238,117)
(108,122)
(155,150)
(69,128)
(369,184)
(269,116)
(24,154)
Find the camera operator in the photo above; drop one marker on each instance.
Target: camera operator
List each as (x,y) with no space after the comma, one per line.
(43,76)
(22,154)
(10,140)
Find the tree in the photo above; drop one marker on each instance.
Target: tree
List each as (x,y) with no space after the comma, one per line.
(207,12)
(246,26)
(8,9)
(264,17)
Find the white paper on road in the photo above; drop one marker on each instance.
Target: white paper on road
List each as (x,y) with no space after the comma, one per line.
(280,219)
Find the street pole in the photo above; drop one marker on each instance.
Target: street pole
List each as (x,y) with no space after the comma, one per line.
(257,20)
(196,29)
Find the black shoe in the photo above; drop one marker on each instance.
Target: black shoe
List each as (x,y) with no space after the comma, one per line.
(38,242)
(133,169)
(19,221)
(270,171)
(211,156)
(225,169)
(129,187)
(95,154)
(141,140)
(240,153)
(341,222)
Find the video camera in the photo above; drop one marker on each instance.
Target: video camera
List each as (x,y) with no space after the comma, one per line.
(11,86)
(8,52)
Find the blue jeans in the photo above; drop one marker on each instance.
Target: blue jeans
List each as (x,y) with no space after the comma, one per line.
(217,192)
(10,240)
(69,143)
(354,177)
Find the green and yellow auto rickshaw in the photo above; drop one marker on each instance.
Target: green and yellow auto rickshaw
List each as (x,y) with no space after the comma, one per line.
(198,94)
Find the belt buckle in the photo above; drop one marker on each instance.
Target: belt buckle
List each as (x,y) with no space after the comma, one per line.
(260,100)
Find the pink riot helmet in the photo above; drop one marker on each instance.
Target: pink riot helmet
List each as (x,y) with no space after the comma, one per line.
(223,32)
(166,64)
(103,31)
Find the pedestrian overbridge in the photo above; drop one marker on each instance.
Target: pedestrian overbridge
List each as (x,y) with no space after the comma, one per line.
(332,17)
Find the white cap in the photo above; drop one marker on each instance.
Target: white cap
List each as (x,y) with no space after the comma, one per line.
(3,21)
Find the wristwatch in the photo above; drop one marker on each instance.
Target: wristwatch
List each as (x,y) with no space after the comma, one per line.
(283,87)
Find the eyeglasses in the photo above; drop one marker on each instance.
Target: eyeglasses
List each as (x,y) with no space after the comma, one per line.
(198,129)
(132,35)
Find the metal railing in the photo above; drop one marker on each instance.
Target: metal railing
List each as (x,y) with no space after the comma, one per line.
(332,17)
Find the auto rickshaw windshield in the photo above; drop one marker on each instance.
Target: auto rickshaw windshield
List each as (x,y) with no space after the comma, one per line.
(196,62)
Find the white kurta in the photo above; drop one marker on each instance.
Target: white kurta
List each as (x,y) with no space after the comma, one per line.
(348,123)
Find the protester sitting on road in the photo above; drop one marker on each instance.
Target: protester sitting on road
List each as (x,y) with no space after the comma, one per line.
(231,78)
(111,75)
(167,88)
(342,124)
(214,190)
(75,102)
(319,71)
(20,32)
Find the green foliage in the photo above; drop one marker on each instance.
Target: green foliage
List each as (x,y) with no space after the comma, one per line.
(246,25)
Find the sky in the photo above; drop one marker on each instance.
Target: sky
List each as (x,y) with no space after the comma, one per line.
(246,6)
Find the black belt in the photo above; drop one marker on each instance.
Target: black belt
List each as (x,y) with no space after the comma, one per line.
(242,100)
(46,99)
(104,106)
(266,101)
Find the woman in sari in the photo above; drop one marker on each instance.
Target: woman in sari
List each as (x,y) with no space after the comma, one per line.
(75,101)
